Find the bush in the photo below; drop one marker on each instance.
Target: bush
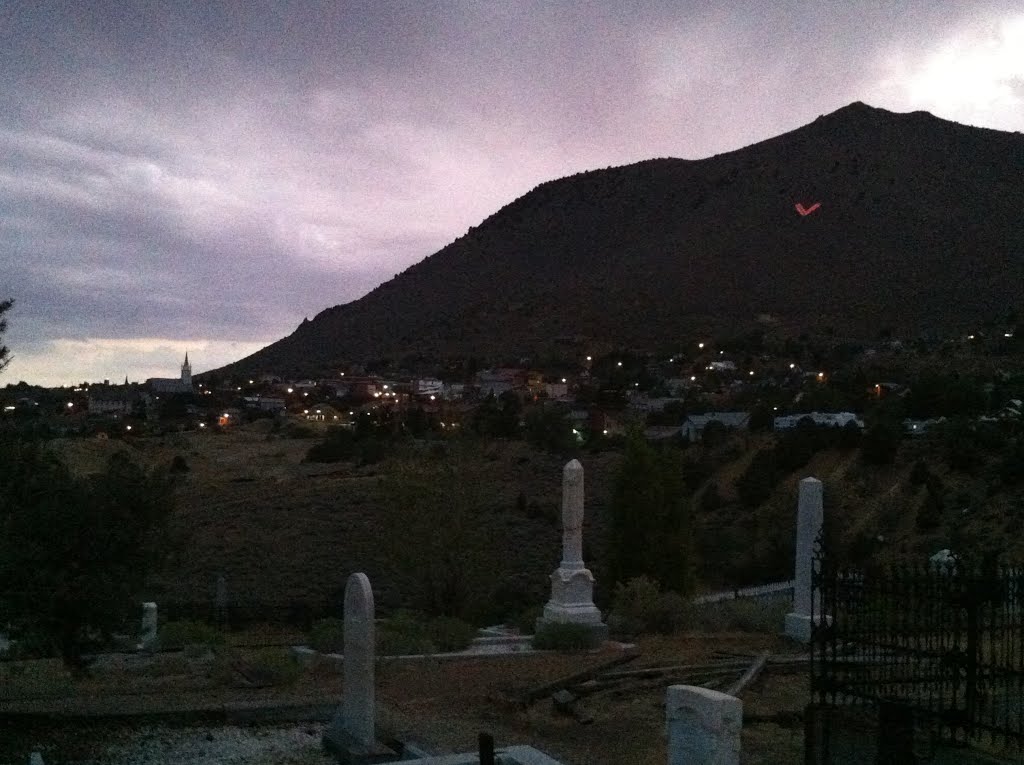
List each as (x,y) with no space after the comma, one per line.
(450,634)
(339,445)
(639,607)
(880,443)
(275,666)
(526,620)
(711,499)
(327,636)
(743,615)
(403,633)
(919,474)
(188,634)
(179,464)
(565,637)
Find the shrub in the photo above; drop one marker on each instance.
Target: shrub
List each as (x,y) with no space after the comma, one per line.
(179,464)
(565,637)
(403,633)
(743,615)
(880,443)
(275,666)
(919,474)
(188,634)
(450,634)
(339,445)
(327,636)
(711,499)
(526,620)
(639,607)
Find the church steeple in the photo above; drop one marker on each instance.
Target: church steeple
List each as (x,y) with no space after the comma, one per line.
(186,372)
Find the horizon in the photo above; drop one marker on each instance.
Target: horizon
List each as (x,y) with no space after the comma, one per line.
(204,179)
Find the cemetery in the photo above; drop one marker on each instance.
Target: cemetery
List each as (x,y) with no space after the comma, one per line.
(502,697)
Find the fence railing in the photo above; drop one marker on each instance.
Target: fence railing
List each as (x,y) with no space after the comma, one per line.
(944,645)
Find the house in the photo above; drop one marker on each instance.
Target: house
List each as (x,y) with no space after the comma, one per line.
(722,366)
(427,386)
(826,419)
(114,401)
(693,426)
(265,403)
(920,427)
(322,413)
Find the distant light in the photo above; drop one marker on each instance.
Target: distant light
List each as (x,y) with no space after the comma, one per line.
(671,360)
(720,353)
(291,390)
(604,432)
(821,375)
(202,424)
(250,382)
(700,345)
(693,377)
(432,398)
(636,385)
(239,387)
(305,394)
(1007,334)
(351,413)
(127,427)
(588,358)
(792,366)
(620,364)
(305,411)
(335,416)
(970,337)
(226,414)
(71,404)
(342,374)
(318,411)
(751,371)
(775,409)
(563,379)
(9,408)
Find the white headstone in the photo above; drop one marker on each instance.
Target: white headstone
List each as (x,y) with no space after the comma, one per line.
(572,583)
(358,700)
(148,631)
(351,734)
(809,518)
(703,726)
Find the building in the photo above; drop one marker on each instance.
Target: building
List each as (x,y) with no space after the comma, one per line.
(693,426)
(182,384)
(826,419)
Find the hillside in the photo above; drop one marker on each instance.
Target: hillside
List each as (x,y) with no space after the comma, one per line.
(918,229)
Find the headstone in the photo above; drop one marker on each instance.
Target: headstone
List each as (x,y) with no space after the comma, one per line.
(148,632)
(351,736)
(809,518)
(220,602)
(36,758)
(572,584)
(703,726)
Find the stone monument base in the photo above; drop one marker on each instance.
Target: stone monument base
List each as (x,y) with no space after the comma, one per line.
(800,628)
(572,602)
(346,750)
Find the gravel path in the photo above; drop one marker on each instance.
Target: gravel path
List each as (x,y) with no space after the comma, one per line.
(264,745)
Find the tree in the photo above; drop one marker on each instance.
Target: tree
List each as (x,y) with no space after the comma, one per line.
(75,552)
(650,526)
(5,355)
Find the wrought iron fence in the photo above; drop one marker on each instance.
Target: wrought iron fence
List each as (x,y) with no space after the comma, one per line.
(941,646)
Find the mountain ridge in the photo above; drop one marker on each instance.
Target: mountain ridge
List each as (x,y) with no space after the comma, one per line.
(918,229)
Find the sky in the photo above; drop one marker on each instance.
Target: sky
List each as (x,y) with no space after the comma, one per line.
(202,176)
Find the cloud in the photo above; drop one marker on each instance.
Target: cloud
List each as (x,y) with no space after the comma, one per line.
(219,172)
(101,358)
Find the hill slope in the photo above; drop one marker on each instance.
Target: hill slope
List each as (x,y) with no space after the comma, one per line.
(919,228)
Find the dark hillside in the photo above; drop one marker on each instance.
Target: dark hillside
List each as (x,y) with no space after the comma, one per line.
(918,229)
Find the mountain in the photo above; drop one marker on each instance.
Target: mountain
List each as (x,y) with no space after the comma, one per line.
(920,228)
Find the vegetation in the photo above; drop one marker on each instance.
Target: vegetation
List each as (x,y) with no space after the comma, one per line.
(188,635)
(640,607)
(76,551)
(327,636)
(650,524)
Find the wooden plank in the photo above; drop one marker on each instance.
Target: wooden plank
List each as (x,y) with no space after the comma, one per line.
(543,691)
(749,676)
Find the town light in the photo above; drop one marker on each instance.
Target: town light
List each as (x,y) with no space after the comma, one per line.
(588,358)
(792,366)
(250,382)
(226,415)
(291,390)
(620,364)
(700,345)
(202,424)
(693,377)
(563,379)
(751,372)
(127,427)
(71,404)
(432,398)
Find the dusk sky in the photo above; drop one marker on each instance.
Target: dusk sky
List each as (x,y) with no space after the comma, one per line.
(201,177)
